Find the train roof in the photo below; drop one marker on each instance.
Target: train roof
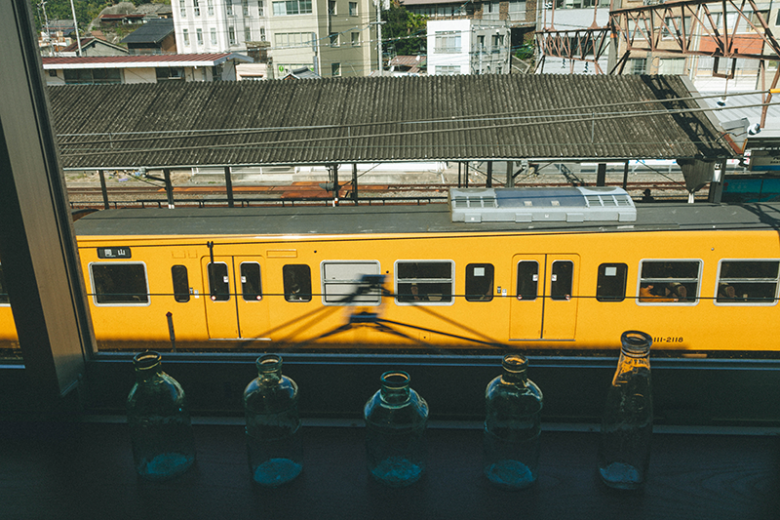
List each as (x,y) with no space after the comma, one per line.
(428,218)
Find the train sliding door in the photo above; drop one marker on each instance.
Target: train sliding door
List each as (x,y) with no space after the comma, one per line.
(544,303)
(235,305)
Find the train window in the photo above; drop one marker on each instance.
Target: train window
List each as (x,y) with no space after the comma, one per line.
(428,282)
(3,291)
(669,281)
(748,281)
(611,283)
(219,282)
(342,283)
(527,280)
(119,284)
(251,287)
(479,282)
(561,280)
(181,283)
(297,282)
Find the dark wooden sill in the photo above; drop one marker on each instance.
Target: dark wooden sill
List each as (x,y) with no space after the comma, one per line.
(84,470)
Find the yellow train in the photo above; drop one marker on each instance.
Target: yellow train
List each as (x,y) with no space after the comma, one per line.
(561,270)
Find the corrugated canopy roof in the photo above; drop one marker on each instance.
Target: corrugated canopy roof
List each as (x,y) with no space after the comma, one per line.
(382,119)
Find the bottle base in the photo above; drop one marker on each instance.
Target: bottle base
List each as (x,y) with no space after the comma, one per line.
(397,472)
(275,472)
(165,466)
(619,475)
(510,474)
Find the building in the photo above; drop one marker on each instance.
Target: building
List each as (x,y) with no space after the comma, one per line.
(142,68)
(91,46)
(468,47)
(154,37)
(334,37)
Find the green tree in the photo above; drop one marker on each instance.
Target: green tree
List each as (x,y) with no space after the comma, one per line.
(403,32)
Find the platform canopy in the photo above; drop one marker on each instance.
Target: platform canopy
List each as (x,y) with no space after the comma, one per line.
(593,118)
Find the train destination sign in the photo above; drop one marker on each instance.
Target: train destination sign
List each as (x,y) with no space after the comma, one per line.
(114,252)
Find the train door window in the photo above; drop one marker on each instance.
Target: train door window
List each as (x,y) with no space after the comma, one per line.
(527,280)
(343,283)
(669,281)
(479,282)
(3,291)
(611,283)
(251,287)
(181,283)
(297,282)
(425,282)
(748,281)
(219,282)
(119,284)
(561,280)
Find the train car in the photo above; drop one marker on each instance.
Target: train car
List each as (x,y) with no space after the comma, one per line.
(538,270)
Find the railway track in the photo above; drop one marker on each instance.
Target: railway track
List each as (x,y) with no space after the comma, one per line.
(315,188)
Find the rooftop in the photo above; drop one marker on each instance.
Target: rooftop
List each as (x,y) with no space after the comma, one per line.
(155,60)
(379,119)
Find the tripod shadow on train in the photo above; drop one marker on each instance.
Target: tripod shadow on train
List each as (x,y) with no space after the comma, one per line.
(375,284)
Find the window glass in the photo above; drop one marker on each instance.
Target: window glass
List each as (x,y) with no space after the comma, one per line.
(748,281)
(297,283)
(3,290)
(561,280)
(219,282)
(611,284)
(181,283)
(350,283)
(251,287)
(353,9)
(117,283)
(527,279)
(665,281)
(429,282)
(479,282)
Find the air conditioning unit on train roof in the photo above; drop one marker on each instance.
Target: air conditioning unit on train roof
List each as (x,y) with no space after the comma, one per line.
(541,205)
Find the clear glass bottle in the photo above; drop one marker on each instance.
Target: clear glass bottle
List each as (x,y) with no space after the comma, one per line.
(627,425)
(160,427)
(396,418)
(273,426)
(512,426)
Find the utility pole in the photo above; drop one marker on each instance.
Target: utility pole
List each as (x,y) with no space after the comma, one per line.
(76,26)
(379,34)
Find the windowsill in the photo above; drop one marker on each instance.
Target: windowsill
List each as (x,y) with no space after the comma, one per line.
(85,470)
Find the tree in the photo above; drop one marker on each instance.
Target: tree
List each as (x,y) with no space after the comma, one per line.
(403,31)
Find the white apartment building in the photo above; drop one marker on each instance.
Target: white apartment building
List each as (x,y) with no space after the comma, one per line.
(332,37)
(468,47)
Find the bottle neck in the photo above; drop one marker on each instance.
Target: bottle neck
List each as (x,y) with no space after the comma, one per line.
(515,370)
(395,387)
(269,368)
(147,365)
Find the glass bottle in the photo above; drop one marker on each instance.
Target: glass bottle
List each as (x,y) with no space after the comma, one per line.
(627,425)
(396,417)
(273,426)
(512,426)
(160,428)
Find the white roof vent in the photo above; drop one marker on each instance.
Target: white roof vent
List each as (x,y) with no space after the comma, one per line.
(541,205)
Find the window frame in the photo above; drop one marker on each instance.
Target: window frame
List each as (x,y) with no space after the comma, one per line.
(452,282)
(719,279)
(324,282)
(214,380)
(93,289)
(640,280)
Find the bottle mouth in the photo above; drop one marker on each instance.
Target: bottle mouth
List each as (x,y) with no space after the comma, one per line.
(147,360)
(395,379)
(515,363)
(636,343)
(269,363)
